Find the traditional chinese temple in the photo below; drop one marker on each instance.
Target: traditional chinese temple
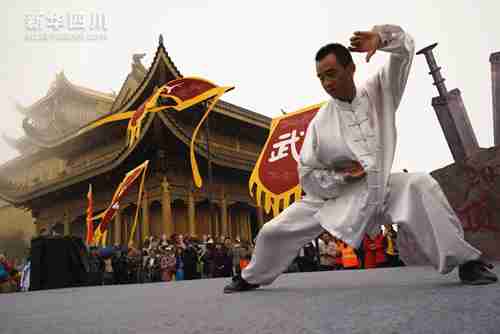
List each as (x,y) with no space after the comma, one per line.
(51,176)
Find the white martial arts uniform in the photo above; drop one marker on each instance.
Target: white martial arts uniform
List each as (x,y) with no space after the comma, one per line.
(363,130)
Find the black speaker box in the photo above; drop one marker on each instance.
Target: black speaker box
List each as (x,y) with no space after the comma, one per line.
(58,262)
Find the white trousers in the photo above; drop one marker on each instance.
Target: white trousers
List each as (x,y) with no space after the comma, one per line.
(428,229)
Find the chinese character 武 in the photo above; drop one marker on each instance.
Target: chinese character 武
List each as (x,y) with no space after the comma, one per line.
(288,141)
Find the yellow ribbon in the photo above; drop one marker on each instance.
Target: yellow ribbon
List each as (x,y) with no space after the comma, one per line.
(194,165)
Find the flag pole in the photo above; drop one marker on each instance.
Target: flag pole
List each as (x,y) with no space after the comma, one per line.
(141,263)
(139,201)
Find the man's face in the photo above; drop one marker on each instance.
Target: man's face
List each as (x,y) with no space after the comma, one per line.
(336,79)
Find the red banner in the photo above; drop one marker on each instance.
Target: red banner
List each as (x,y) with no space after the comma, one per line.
(275,174)
(121,191)
(90,212)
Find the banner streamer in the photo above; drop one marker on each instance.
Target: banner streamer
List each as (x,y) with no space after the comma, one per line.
(178,95)
(194,166)
(275,177)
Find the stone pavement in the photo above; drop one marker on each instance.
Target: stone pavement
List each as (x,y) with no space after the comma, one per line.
(385,301)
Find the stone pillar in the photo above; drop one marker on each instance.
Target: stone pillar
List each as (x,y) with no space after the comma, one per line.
(166,209)
(191,213)
(223,217)
(67,226)
(117,230)
(145,217)
(495,85)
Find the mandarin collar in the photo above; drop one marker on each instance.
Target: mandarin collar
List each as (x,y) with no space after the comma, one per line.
(360,92)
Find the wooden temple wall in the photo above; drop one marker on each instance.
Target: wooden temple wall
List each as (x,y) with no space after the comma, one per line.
(166,209)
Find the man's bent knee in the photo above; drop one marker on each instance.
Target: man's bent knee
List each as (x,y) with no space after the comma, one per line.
(269,230)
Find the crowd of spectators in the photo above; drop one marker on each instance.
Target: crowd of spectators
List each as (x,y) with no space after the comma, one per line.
(330,253)
(169,259)
(182,257)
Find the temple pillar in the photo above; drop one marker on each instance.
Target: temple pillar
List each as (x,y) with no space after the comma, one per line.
(125,230)
(117,230)
(38,227)
(214,221)
(67,227)
(166,209)
(223,216)
(145,217)
(191,213)
(260,216)
(248,227)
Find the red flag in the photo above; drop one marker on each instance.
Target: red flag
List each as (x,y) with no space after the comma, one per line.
(122,189)
(275,174)
(90,212)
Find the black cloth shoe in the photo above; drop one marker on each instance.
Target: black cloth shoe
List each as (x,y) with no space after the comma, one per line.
(238,284)
(476,273)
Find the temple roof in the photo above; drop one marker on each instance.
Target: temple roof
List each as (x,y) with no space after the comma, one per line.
(61,82)
(23,145)
(131,95)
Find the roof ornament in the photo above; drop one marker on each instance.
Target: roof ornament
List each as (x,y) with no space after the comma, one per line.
(137,64)
(161,40)
(18,106)
(136,57)
(60,75)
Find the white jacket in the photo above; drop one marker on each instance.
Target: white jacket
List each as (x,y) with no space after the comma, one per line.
(363,130)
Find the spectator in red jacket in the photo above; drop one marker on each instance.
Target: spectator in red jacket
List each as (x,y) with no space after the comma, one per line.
(369,249)
(380,247)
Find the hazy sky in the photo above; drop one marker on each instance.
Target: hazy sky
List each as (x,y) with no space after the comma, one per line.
(264,48)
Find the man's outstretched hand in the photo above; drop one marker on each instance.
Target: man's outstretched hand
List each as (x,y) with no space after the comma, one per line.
(365,41)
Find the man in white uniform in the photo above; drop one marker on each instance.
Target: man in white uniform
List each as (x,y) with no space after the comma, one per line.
(344,169)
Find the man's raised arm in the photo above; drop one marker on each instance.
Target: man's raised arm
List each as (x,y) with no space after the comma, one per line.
(393,39)
(394,73)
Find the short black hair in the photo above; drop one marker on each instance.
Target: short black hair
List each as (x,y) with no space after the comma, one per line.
(341,52)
